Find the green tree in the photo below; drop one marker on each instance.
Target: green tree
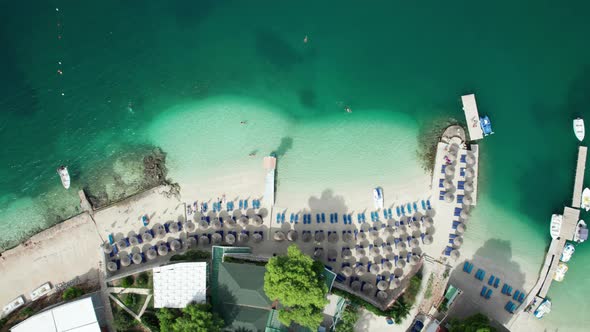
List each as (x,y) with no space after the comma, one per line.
(400,310)
(297,281)
(122,320)
(167,318)
(127,281)
(142,279)
(197,318)
(476,323)
(72,293)
(347,320)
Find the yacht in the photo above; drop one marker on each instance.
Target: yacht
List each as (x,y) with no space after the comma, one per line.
(585,199)
(544,308)
(13,305)
(64,176)
(486,125)
(567,253)
(581,233)
(560,271)
(40,291)
(579,129)
(378,197)
(556,220)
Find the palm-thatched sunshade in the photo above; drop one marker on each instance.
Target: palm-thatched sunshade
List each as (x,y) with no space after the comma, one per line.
(414,243)
(374,234)
(401,263)
(346,253)
(470,159)
(125,261)
(107,248)
(375,251)
(388,250)
(161,233)
(387,265)
(112,266)
(175,245)
(347,237)
(360,270)
(332,254)
(151,253)
(146,237)
(382,295)
(449,197)
(257,237)
(203,224)
(450,170)
(243,238)
(355,285)
(173,227)
(292,235)
(230,222)
(461,228)
(414,259)
(204,240)
(368,288)
(243,221)
(189,226)
(216,238)
(428,222)
(191,242)
(122,243)
(455,254)
(467,200)
(333,237)
(279,236)
(382,285)
(318,253)
(468,186)
(361,252)
(469,173)
(464,214)
(347,271)
(230,239)
(216,224)
(428,239)
(375,268)
(362,236)
(137,259)
(257,220)
(306,237)
(448,184)
(133,241)
(319,236)
(395,283)
(458,241)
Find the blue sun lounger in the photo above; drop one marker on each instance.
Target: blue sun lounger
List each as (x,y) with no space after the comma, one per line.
(488,293)
(423,205)
(441,195)
(349,219)
(403,210)
(496,282)
(384,214)
(458,212)
(389,214)
(297,218)
(428,204)
(440,183)
(245,204)
(521,297)
(415,207)
(442,169)
(323,218)
(409,208)
(462,171)
(465,266)
(491,280)
(480,274)
(515,296)
(397,210)
(317,218)
(448,251)
(111,239)
(292,218)
(510,307)
(504,288)
(484,289)
(463,156)
(455,224)
(460,199)
(461,185)
(241,204)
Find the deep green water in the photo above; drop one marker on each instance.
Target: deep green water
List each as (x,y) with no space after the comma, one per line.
(126,63)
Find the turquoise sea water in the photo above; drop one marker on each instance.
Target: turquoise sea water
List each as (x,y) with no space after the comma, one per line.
(130,69)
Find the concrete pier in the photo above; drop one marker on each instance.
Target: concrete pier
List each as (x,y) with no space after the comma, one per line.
(579,181)
(472,117)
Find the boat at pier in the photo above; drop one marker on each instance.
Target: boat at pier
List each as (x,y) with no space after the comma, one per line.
(486,125)
(555,229)
(40,291)
(64,176)
(560,272)
(585,199)
(13,305)
(568,252)
(579,129)
(581,233)
(378,197)
(543,308)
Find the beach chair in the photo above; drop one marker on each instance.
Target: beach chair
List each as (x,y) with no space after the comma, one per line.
(484,289)
(364,217)
(350,219)
(488,294)
(415,205)
(111,239)
(461,185)
(448,250)
(397,210)
(515,296)
(496,282)
(278,219)
(462,159)
(458,212)
(491,280)
(409,208)
(323,218)
(521,297)
(245,204)
(440,183)
(455,224)
(283,218)
(509,291)
(408,256)
(462,171)
(423,205)
(428,204)
(441,196)
(504,289)
(241,204)
(292,218)
(384,214)
(470,268)
(403,210)
(335,218)
(460,199)
(442,169)
(297,218)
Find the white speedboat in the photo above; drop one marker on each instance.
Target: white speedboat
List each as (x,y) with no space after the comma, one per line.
(560,271)
(567,253)
(378,197)
(581,233)
(585,204)
(555,229)
(579,129)
(13,305)
(64,176)
(543,308)
(40,291)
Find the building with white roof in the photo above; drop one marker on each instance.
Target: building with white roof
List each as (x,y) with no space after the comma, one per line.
(177,285)
(75,316)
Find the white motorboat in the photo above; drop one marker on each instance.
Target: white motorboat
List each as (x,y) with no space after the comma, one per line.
(378,197)
(40,291)
(555,229)
(579,129)
(543,308)
(568,252)
(13,305)
(64,176)
(581,233)
(560,272)
(585,204)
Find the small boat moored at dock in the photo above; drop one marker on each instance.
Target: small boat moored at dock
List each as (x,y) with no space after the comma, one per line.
(64,176)
(486,125)
(568,252)
(378,197)
(543,308)
(585,199)
(560,272)
(13,305)
(581,233)
(579,129)
(40,291)
(555,229)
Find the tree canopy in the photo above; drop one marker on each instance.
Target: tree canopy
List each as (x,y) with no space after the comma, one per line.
(298,283)
(193,318)
(476,323)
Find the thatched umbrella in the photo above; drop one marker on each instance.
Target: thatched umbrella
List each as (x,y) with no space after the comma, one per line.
(319,236)
(389,230)
(360,270)
(161,233)
(388,250)
(346,253)
(415,225)
(107,248)
(173,227)
(467,200)
(382,285)
(469,173)
(461,228)
(414,260)
(448,184)
(401,263)
(189,226)
(112,266)
(318,253)
(243,221)
(464,214)
(175,245)
(191,242)
(378,242)
(230,239)
(382,295)
(347,271)
(455,254)
(428,222)
(204,240)
(133,241)
(243,238)
(452,157)
(212,214)
(333,237)
(368,288)
(414,243)
(216,224)
(362,236)
(355,285)
(375,268)
(332,254)
(306,237)
(401,245)
(146,237)
(428,239)
(257,220)
(203,224)
(468,186)
(122,243)
(375,251)
(230,222)
(458,241)
(449,197)
(387,265)
(470,159)
(151,253)
(395,283)
(125,261)
(450,170)
(292,235)
(216,238)
(347,237)
(257,237)
(361,252)
(279,236)
(137,259)
(374,234)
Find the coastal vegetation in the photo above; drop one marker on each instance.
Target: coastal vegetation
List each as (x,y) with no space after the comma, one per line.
(121,319)
(71,293)
(428,291)
(297,282)
(127,281)
(192,256)
(428,137)
(230,259)
(132,301)
(476,323)
(348,319)
(194,317)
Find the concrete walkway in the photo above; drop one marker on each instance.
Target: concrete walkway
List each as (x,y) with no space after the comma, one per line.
(145,304)
(120,304)
(121,290)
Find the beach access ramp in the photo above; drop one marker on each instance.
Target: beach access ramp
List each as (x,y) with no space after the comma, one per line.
(472,117)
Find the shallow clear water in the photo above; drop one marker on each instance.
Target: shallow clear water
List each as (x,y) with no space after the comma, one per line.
(132,71)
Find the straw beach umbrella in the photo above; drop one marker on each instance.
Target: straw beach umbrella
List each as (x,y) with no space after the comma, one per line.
(133,241)
(362,236)
(449,197)
(464,214)
(292,235)
(175,245)
(279,236)
(216,224)
(360,270)
(230,222)
(448,184)
(122,243)
(415,225)
(318,253)
(388,250)
(161,233)
(125,261)
(389,230)
(346,253)
(243,238)
(203,224)
(469,173)
(401,263)
(347,237)
(355,285)
(319,236)
(173,227)
(368,288)
(450,170)
(414,243)
(382,285)
(230,239)
(428,222)
(146,237)
(458,241)
(414,260)
(378,242)
(461,228)
(306,237)
(361,252)
(452,157)
(428,239)
(112,266)
(387,265)
(467,200)
(243,221)
(257,237)
(216,238)
(374,234)
(191,242)
(257,220)
(333,237)
(375,269)
(151,253)
(347,271)
(332,254)
(455,254)
(395,283)
(375,251)
(468,186)
(189,226)
(470,159)
(137,259)
(107,248)
(204,240)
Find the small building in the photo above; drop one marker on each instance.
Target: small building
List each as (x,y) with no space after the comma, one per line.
(76,316)
(177,285)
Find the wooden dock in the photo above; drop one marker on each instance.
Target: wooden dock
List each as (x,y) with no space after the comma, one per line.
(579,182)
(472,117)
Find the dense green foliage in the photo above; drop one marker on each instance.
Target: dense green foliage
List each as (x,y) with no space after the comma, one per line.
(297,281)
(150,320)
(133,301)
(122,320)
(195,317)
(230,259)
(412,290)
(71,293)
(192,256)
(348,320)
(475,323)
(127,282)
(142,280)
(400,310)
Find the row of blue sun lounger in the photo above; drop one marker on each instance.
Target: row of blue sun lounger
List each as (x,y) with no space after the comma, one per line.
(495,282)
(510,307)
(230,206)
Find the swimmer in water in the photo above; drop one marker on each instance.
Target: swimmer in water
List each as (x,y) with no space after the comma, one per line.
(252,154)
(305,39)
(243,122)
(130,107)
(347,109)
